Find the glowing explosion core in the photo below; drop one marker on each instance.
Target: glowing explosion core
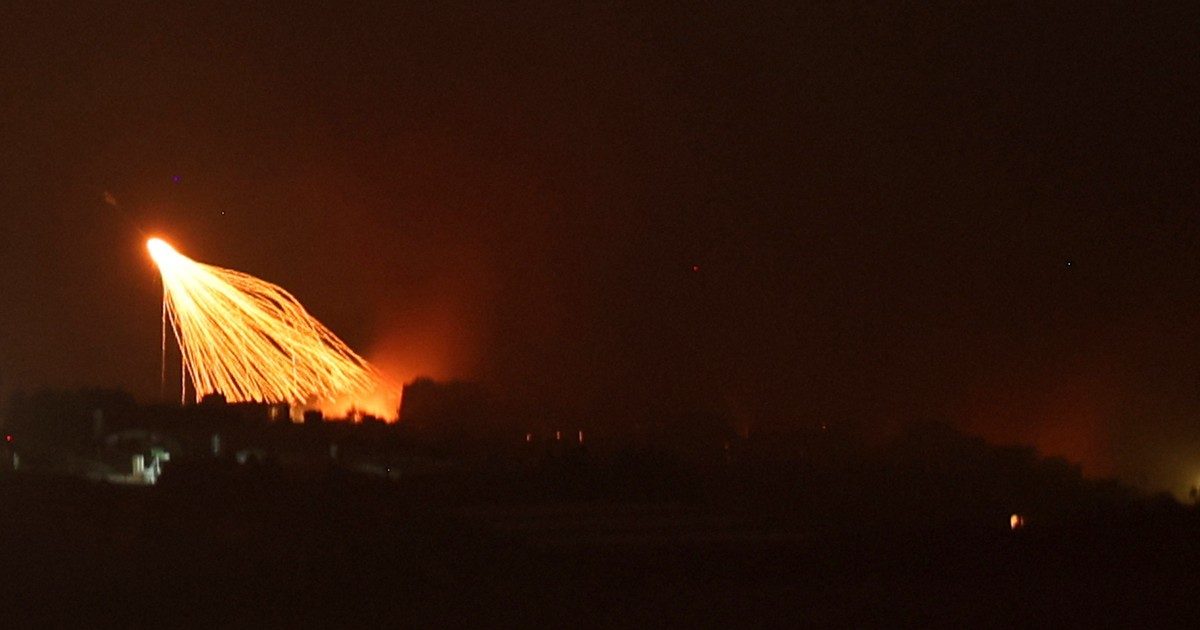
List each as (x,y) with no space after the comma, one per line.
(251,340)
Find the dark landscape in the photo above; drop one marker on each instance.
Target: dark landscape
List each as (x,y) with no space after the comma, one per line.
(416,526)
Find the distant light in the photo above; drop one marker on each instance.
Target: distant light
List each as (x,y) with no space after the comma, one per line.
(1016,521)
(581,437)
(1070,263)
(558,435)
(8,438)
(528,437)
(695,268)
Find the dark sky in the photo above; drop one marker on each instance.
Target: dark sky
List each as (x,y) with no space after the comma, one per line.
(979,214)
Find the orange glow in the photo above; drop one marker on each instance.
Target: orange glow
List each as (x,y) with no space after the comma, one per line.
(1016,521)
(251,340)
(1061,417)
(383,404)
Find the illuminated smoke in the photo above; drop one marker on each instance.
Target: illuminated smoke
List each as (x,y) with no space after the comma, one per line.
(251,340)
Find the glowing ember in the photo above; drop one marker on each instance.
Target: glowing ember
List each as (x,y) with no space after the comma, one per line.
(252,341)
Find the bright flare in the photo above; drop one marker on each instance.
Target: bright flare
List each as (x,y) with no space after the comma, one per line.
(250,340)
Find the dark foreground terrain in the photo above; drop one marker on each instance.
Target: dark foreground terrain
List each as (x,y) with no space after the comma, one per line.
(347,551)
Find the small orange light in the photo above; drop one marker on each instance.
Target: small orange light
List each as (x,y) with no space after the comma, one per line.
(1016,521)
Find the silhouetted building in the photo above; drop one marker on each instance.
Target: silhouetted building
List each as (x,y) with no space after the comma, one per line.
(453,408)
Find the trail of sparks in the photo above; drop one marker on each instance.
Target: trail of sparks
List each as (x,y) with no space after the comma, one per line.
(251,340)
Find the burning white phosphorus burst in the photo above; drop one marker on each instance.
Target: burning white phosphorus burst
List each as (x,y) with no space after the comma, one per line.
(251,340)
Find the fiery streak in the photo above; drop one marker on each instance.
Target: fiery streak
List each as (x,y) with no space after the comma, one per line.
(251,340)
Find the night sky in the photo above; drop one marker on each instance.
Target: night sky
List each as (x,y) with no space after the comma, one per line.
(869,213)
